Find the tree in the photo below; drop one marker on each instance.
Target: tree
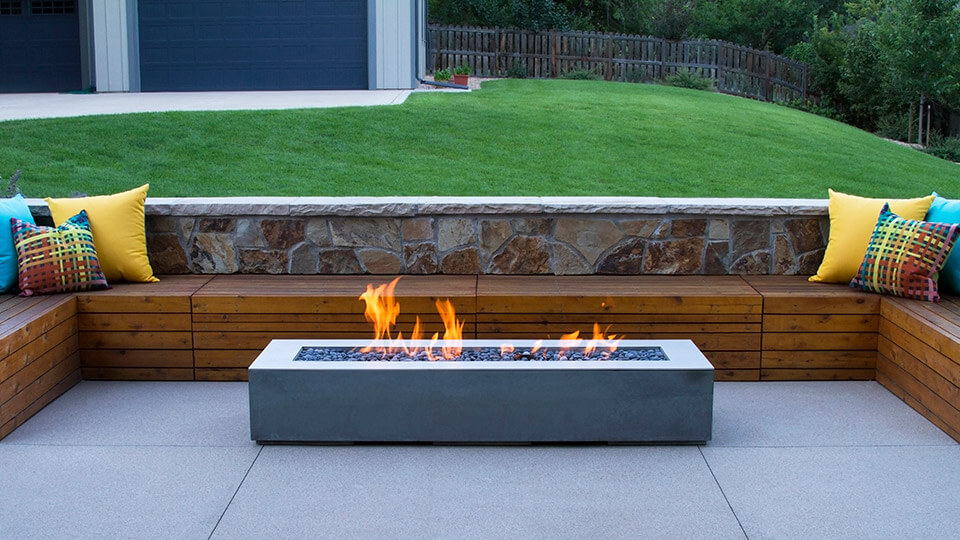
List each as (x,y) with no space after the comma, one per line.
(921,42)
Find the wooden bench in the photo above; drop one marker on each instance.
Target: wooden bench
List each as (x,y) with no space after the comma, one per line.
(212,327)
(919,357)
(39,357)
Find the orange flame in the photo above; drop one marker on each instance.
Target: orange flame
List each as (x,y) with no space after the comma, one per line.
(382,309)
(452,329)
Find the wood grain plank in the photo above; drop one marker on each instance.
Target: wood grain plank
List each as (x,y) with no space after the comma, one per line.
(817,374)
(149,358)
(916,405)
(136,340)
(131,322)
(819,341)
(734,360)
(13,362)
(35,368)
(37,321)
(937,406)
(926,351)
(239,374)
(620,328)
(736,375)
(937,332)
(821,323)
(137,374)
(37,405)
(224,358)
(38,387)
(819,359)
(942,387)
(618,318)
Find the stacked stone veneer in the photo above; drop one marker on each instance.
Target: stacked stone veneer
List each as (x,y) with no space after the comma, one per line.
(486,236)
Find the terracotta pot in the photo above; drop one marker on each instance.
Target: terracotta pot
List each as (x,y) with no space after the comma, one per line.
(462,80)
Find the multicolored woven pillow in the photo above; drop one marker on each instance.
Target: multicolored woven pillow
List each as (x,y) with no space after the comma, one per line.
(57,259)
(904,256)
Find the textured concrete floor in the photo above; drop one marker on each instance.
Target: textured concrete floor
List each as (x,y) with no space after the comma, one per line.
(173,460)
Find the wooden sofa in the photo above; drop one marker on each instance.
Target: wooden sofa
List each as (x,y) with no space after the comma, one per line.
(752,328)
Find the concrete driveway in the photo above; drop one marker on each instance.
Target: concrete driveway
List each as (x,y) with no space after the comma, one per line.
(23,106)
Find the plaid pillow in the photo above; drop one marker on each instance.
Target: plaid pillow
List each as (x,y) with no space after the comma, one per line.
(57,259)
(904,256)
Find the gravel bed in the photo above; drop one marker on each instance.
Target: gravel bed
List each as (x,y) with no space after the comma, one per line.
(323,354)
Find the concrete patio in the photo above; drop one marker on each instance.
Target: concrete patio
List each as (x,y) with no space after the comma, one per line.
(174,460)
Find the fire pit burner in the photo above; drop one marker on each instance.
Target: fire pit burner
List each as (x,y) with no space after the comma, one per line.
(487,354)
(612,400)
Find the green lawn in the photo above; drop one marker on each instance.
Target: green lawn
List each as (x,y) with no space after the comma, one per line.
(511,138)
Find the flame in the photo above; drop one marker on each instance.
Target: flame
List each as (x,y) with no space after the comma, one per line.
(382,309)
(452,329)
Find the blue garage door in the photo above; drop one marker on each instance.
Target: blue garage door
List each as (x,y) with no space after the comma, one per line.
(39,46)
(253,44)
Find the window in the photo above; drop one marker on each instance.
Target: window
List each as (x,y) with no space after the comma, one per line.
(52,7)
(13,7)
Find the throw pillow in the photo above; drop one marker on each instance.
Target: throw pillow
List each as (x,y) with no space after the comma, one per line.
(904,256)
(14,207)
(852,220)
(118,228)
(944,211)
(57,259)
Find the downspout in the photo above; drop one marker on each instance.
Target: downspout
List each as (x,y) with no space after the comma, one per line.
(421,26)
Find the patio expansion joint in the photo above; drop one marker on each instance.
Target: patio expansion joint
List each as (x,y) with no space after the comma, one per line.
(716,481)
(240,485)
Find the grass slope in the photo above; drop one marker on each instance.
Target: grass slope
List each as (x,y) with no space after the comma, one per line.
(511,138)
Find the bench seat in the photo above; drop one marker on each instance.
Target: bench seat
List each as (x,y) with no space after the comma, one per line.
(39,358)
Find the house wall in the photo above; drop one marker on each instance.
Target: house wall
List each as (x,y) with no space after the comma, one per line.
(115,57)
(393,43)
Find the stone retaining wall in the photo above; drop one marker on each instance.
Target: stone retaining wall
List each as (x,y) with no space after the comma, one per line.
(534,235)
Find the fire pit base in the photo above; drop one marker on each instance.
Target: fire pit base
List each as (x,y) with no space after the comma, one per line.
(481,402)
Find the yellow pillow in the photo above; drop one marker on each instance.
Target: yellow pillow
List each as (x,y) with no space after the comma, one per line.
(852,220)
(119,233)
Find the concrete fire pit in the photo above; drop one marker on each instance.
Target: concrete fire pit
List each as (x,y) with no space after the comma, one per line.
(639,401)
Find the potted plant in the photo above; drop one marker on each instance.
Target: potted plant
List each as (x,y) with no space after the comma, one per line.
(441,75)
(461,74)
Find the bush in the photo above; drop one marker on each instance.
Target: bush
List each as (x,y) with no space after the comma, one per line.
(462,69)
(517,71)
(823,109)
(442,75)
(581,75)
(685,78)
(10,187)
(947,148)
(893,126)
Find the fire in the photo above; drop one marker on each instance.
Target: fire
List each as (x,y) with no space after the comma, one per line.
(382,309)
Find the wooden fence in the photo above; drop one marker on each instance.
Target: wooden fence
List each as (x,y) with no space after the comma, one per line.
(735,69)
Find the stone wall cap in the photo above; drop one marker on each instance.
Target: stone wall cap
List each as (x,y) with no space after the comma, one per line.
(412,206)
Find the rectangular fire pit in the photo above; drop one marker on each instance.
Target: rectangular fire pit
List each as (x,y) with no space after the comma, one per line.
(515,401)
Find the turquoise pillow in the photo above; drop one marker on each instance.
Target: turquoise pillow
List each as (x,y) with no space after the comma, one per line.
(14,207)
(944,211)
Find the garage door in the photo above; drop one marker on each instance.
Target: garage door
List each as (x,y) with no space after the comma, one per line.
(39,46)
(253,44)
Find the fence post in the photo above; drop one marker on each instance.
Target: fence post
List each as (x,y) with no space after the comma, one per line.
(663,58)
(767,87)
(553,54)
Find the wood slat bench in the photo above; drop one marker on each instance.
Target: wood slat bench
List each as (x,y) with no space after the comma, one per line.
(212,327)
(39,357)
(919,357)
(721,314)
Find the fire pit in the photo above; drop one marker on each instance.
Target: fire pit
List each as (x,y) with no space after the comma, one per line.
(602,389)
(504,401)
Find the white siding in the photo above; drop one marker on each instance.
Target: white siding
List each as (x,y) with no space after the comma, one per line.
(110,45)
(394,37)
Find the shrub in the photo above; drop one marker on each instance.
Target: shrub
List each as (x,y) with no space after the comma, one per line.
(893,126)
(822,109)
(517,71)
(462,69)
(10,187)
(442,75)
(685,78)
(947,148)
(581,75)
